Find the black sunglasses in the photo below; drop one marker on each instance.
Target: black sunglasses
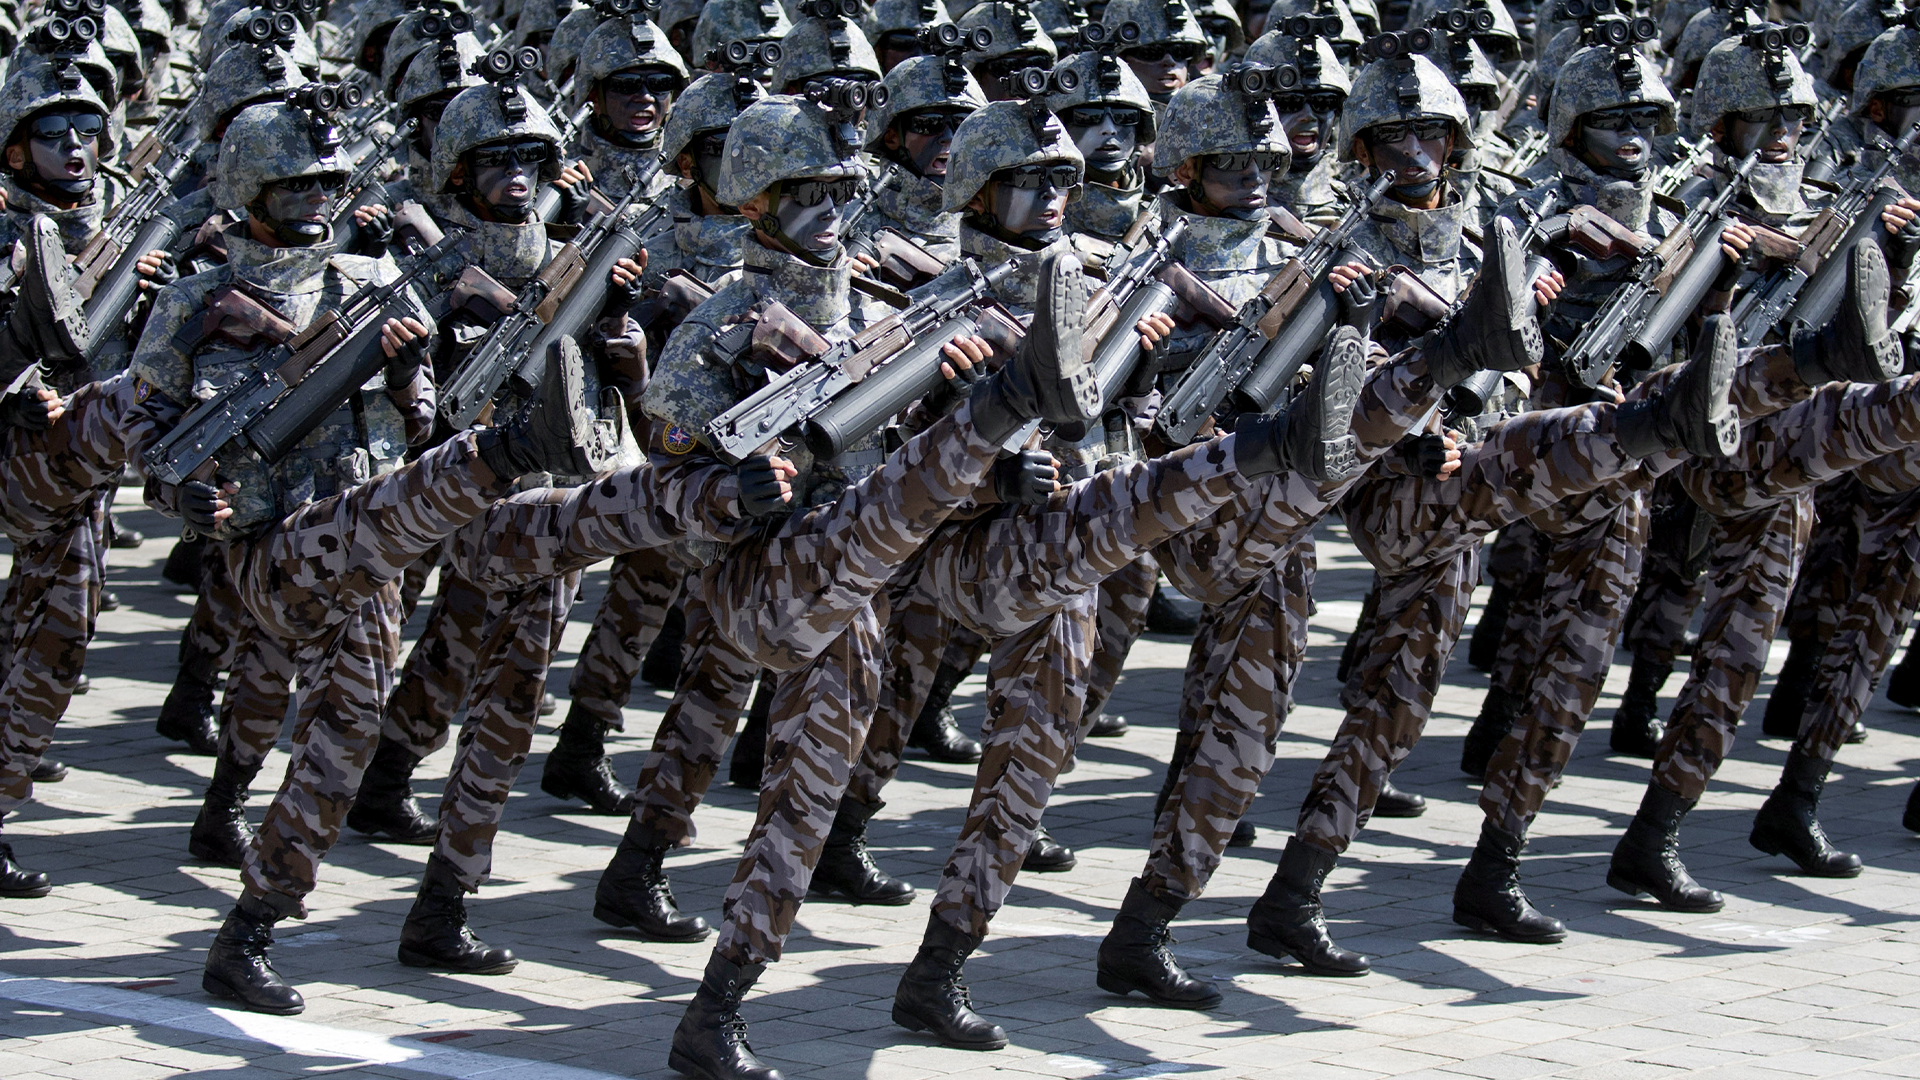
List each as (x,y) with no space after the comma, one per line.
(933,123)
(1264,160)
(841,190)
(651,83)
(300,185)
(1184,51)
(54,126)
(500,155)
(1789,113)
(1426,129)
(1642,117)
(1320,101)
(1088,116)
(1058,177)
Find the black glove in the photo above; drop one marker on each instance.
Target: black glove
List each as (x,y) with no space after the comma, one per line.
(949,394)
(24,410)
(760,493)
(573,199)
(1730,273)
(199,501)
(1025,479)
(370,238)
(1425,455)
(620,298)
(410,358)
(1903,245)
(166,273)
(1357,303)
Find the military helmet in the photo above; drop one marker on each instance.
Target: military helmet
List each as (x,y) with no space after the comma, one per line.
(1014,27)
(1891,62)
(486,114)
(895,16)
(722,21)
(1161,22)
(1397,87)
(295,39)
(213,30)
(711,103)
(1501,39)
(785,137)
(1464,62)
(1320,67)
(117,40)
(923,82)
(1346,41)
(1229,112)
(671,15)
(1707,28)
(38,81)
(1004,135)
(1061,19)
(373,21)
(420,31)
(1847,30)
(621,44)
(1104,79)
(436,70)
(1220,14)
(1600,77)
(537,20)
(562,50)
(819,46)
(267,143)
(1756,70)
(1566,41)
(245,74)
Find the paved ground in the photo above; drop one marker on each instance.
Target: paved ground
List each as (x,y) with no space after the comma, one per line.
(1796,977)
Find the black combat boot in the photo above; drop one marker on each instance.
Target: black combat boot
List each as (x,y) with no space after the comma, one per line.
(1693,412)
(221,834)
(237,964)
(48,320)
(386,807)
(1107,725)
(1495,328)
(18,883)
(1788,704)
(1903,682)
(436,936)
(1170,611)
(1483,648)
(1636,723)
(936,731)
(1134,955)
(124,539)
(557,430)
(1647,859)
(1045,855)
(49,771)
(549,704)
(1788,822)
(847,870)
(634,893)
(1910,820)
(1049,378)
(1488,898)
(660,668)
(1312,436)
(711,1041)
(1499,710)
(578,767)
(182,567)
(1856,345)
(1287,920)
(1244,834)
(749,758)
(933,995)
(1394,803)
(191,713)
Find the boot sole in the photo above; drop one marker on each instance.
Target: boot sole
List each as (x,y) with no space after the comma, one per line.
(1621,882)
(1275,949)
(1870,277)
(1337,390)
(1068,389)
(27,894)
(1723,427)
(1512,278)
(224,992)
(1479,925)
(618,921)
(421,960)
(1114,984)
(1767,845)
(64,305)
(913,1023)
(849,898)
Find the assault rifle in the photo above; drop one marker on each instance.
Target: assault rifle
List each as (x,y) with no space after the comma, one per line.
(574,283)
(1527,153)
(364,187)
(549,202)
(297,384)
(104,272)
(1272,335)
(1810,291)
(1675,176)
(843,392)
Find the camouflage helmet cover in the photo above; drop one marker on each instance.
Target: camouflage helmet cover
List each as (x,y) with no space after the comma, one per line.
(1105,79)
(117,40)
(563,48)
(1002,136)
(418,32)
(439,69)
(1566,41)
(1236,36)
(671,14)
(816,47)
(305,53)
(1501,41)
(1349,35)
(1207,116)
(1014,27)
(538,17)
(265,143)
(1707,28)
(1891,62)
(1598,77)
(1846,30)
(1321,68)
(1161,22)
(722,21)
(39,82)
(477,116)
(1386,92)
(245,74)
(1736,77)
(888,16)
(620,44)
(782,137)
(923,82)
(711,103)
(1464,61)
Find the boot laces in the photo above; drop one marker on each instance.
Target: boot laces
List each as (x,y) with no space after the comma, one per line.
(1160,939)
(956,983)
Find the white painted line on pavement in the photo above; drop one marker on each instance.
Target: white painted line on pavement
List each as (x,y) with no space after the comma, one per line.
(289,1035)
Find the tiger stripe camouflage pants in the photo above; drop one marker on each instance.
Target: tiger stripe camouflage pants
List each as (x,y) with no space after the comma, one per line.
(640,588)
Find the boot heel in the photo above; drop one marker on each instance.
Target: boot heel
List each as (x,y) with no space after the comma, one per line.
(1625,884)
(1473,922)
(1763,840)
(1112,984)
(685,1066)
(218,988)
(611,917)
(907,1020)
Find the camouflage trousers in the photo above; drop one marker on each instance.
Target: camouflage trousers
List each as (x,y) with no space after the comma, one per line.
(218,618)
(1423,538)
(1120,619)
(1517,562)
(1825,583)
(716,685)
(259,692)
(1235,696)
(919,637)
(1670,585)
(441,672)
(1590,570)
(640,588)
(1763,496)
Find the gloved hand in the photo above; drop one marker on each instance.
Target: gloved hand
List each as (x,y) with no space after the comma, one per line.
(405,342)
(1358,300)
(1425,455)
(372,229)
(1025,479)
(623,285)
(965,364)
(201,504)
(764,489)
(26,410)
(157,269)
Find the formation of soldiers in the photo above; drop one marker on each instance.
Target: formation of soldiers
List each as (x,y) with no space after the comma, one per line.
(870,339)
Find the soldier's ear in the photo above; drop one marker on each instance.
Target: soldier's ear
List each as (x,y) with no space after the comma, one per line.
(1360,152)
(683,164)
(1183,173)
(978,204)
(755,208)
(1876,109)
(16,157)
(890,138)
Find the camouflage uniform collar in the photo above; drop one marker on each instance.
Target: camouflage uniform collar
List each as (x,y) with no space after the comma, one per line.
(1426,237)
(1629,202)
(1215,243)
(914,201)
(1773,190)
(818,294)
(1302,192)
(610,164)
(511,254)
(713,239)
(77,225)
(1107,212)
(1020,289)
(284,270)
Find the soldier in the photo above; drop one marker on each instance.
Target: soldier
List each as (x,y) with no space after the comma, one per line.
(1171,43)
(751,21)
(1110,119)
(824,46)
(927,98)
(1309,190)
(629,75)
(893,26)
(1019,42)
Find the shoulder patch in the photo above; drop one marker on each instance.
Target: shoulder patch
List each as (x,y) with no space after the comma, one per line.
(675,439)
(142,389)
